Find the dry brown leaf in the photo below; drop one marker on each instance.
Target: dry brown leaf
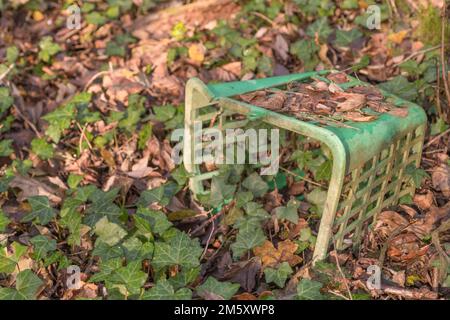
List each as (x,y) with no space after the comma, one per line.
(441,179)
(398,37)
(424,201)
(388,222)
(245,296)
(197,53)
(31,187)
(271,256)
(399,112)
(352,101)
(358,117)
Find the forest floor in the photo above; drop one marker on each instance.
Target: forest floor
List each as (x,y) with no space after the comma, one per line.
(87,181)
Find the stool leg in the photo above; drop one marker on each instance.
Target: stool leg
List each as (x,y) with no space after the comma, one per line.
(196,97)
(332,201)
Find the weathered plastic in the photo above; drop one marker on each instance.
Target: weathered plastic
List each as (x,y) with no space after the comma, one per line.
(376,154)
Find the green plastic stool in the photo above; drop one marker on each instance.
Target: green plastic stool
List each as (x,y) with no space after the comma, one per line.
(372,159)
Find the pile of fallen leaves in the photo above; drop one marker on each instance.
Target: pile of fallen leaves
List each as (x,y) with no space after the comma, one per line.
(319,98)
(86,177)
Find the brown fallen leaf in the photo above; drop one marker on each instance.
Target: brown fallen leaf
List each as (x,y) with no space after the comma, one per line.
(388,222)
(358,117)
(271,256)
(246,273)
(441,179)
(352,101)
(197,53)
(245,296)
(424,201)
(399,112)
(31,187)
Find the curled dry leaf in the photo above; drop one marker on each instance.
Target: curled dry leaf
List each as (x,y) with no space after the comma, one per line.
(441,179)
(424,201)
(352,101)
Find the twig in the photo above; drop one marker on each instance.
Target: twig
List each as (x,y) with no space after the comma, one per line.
(443,257)
(4,74)
(344,278)
(210,220)
(27,121)
(409,294)
(303,178)
(94,77)
(413,55)
(83,136)
(209,239)
(438,92)
(436,138)
(443,62)
(260,15)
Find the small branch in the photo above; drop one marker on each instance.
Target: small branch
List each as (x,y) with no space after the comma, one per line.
(344,278)
(260,15)
(4,74)
(443,62)
(410,294)
(429,143)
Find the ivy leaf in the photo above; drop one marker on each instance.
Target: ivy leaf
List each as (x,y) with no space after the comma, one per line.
(59,120)
(71,219)
(278,276)
(5,148)
(223,289)
(289,212)
(41,148)
(345,38)
(155,195)
(165,291)
(106,252)
(95,18)
(109,232)
(106,267)
(9,260)
(133,113)
(48,49)
(220,192)
(40,210)
(184,278)
(134,249)
(246,240)
(317,197)
(157,221)
(102,205)
(256,211)
(131,276)
(4,221)
(27,285)
(243,197)
(42,245)
(6,100)
(74,180)
(417,175)
(321,28)
(309,290)
(323,172)
(12,53)
(164,113)
(180,175)
(179,250)
(255,184)
(145,134)
(401,87)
